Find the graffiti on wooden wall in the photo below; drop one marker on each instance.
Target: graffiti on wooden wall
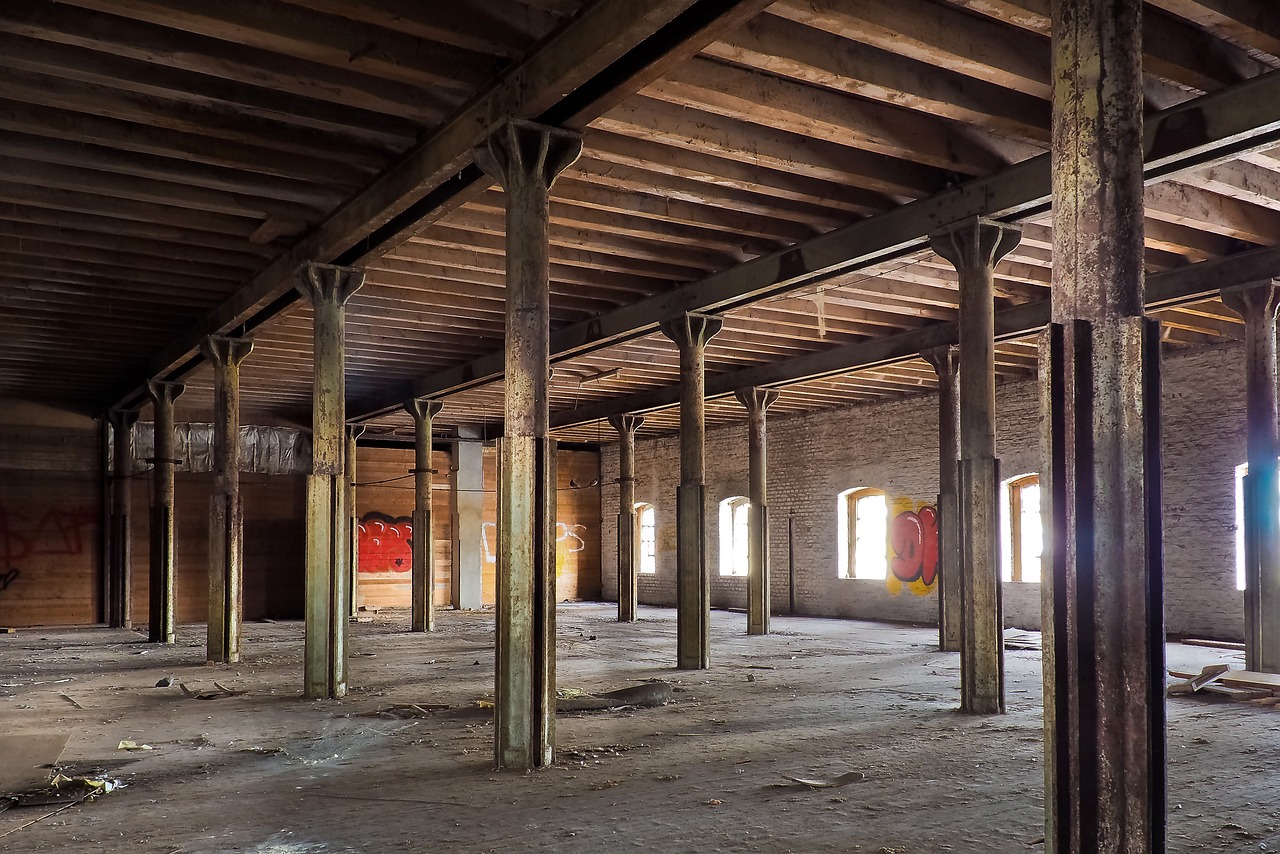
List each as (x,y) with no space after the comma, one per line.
(569,540)
(385,543)
(913,547)
(40,536)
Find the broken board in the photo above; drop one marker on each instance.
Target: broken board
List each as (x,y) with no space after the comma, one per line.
(26,760)
(1239,679)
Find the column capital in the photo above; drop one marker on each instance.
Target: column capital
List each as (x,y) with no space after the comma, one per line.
(692,331)
(163,392)
(975,243)
(522,152)
(328,283)
(756,399)
(1255,301)
(944,360)
(224,351)
(122,419)
(423,408)
(626,423)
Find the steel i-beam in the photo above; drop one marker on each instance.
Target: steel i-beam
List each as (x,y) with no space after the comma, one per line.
(757,401)
(160,625)
(945,361)
(422,616)
(119,575)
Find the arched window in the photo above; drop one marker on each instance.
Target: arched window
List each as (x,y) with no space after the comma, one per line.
(734,523)
(1022,529)
(864,534)
(646,538)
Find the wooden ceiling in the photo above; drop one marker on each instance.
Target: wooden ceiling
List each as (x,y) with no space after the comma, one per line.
(161,158)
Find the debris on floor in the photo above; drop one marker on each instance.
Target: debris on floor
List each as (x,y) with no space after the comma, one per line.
(130,744)
(1019,639)
(643,696)
(27,760)
(827,782)
(220,692)
(401,711)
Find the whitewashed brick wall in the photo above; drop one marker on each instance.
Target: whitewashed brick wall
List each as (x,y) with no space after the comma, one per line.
(893,446)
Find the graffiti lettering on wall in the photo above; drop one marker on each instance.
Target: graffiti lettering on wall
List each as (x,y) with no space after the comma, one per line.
(569,540)
(913,547)
(385,543)
(54,533)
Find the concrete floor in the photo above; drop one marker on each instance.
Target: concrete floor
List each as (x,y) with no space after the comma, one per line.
(268,772)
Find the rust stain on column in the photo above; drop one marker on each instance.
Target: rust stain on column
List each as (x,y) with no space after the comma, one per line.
(526,158)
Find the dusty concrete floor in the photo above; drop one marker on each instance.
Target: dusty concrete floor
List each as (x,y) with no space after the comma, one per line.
(268,772)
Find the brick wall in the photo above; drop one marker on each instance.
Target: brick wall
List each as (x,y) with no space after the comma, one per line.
(893,446)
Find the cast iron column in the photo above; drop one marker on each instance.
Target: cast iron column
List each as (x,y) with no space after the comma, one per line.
(120,567)
(226,513)
(327,288)
(693,593)
(526,158)
(628,579)
(757,400)
(974,247)
(422,612)
(160,626)
(1104,613)
(946,363)
(1257,305)
(353,515)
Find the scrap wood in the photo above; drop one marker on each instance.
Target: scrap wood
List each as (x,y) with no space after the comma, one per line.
(405,710)
(828,783)
(1240,679)
(1237,694)
(1204,678)
(1212,644)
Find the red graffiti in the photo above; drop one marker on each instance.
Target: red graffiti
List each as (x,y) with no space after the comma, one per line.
(386,543)
(56,532)
(914,537)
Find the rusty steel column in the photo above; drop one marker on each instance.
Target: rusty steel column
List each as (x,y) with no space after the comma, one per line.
(160,625)
(974,247)
(120,567)
(422,607)
(693,592)
(526,158)
(353,515)
(1100,359)
(628,578)
(226,513)
(946,363)
(757,400)
(327,288)
(1257,305)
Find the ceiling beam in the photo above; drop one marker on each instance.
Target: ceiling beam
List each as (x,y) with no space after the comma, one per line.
(610,50)
(1164,290)
(1199,133)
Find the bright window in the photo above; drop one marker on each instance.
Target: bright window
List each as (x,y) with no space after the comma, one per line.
(734,526)
(647,539)
(864,534)
(1022,529)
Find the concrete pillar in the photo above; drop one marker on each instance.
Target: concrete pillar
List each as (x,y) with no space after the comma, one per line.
(693,593)
(974,247)
(1104,614)
(628,580)
(1257,305)
(160,626)
(422,611)
(226,513)
(353,515)
(466,511)
(327,288)
(946,363)
(526,158)
(119,576)
(757,400)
